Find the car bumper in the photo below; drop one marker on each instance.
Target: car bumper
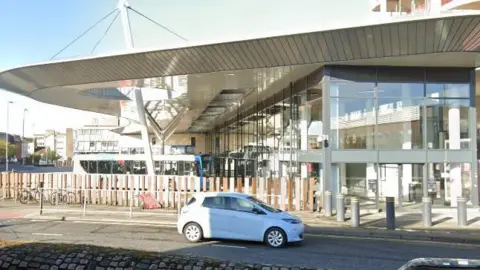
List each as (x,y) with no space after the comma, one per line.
(295,232)
(180,225)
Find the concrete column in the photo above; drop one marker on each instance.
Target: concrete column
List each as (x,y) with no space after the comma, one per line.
(383,6)
(327,130)
(144,130)
(474,165)
(435,6)
(454,143)
(406,169)
(306,117)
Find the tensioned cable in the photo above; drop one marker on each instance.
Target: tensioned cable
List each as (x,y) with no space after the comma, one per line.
(81,35)
(165,28)
(105,33)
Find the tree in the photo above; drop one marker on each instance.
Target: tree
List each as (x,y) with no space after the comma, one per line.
(12,149)
(52,155)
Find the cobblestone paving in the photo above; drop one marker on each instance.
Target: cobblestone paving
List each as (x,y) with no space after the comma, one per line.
(61,256)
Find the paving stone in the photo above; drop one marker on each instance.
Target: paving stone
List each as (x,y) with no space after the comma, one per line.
(50,257)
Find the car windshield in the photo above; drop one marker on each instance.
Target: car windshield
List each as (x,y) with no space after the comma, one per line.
(264,205)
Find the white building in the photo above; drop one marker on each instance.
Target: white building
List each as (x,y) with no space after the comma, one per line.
(55,141)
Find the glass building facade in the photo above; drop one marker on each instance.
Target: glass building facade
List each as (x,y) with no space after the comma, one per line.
(371,132)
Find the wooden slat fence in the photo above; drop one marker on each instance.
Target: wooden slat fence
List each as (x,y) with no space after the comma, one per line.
(170,191)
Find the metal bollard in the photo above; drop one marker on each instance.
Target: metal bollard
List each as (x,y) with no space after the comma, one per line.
(341,207)
(427,211)
(41,200)
(462,211)
(355,212)
(328,203)
(84,203)
(131,203)
(390,207)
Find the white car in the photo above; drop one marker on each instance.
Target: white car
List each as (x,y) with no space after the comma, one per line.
(237,216)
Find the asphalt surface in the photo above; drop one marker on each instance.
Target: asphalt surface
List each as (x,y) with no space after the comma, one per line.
(33,169)
(316,251)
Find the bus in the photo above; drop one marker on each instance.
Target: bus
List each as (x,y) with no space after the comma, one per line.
(201,165)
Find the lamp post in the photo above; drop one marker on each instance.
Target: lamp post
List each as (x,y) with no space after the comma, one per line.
(23,136)
(6,136)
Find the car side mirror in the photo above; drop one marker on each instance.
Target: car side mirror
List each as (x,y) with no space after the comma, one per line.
(258,211)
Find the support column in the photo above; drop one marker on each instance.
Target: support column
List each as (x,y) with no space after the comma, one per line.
(144,131)
(127,32)
(454,144)
(435,6)
(474,165)
(327,135)
(406,169)
(383,6)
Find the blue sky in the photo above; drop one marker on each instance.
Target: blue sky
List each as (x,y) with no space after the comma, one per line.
(34,31)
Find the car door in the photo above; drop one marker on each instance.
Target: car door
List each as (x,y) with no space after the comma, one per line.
(246,224)
(215,221)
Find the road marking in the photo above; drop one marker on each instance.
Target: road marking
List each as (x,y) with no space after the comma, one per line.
(125,224)
(48,234)
(39,220)
(373,238)
(228,246)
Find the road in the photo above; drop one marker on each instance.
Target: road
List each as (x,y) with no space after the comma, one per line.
(33,169)
(316,251)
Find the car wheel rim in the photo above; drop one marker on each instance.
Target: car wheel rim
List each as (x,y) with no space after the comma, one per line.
(275,238)
(192,233)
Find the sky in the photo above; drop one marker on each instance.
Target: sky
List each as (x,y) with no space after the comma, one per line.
(34,31)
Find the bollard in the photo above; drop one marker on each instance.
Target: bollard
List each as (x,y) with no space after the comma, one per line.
(462,211)
(328,203)
(41,200)
(355,208)
(427,211)
(84,203)
(341,207)
(131,203)
(390,208)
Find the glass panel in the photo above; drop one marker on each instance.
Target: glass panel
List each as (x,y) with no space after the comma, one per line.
(400,90)
(447,124)
(449,181)
(315,125)
(352,89)
(441,90)
(399,123)
(359,180)
(352,123)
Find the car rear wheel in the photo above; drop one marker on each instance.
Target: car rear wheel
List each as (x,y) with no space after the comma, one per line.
(193,232)
(275,238)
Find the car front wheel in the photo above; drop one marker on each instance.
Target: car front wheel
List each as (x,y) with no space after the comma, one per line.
(193,232)
(275,238)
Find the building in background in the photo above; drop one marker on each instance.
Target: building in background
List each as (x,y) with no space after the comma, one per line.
(24,146)
(52,140)
(406,7)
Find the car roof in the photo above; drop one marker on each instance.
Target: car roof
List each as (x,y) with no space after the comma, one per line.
(222,194)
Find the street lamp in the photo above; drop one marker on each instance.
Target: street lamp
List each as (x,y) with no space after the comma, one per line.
(6,136)
(23,137)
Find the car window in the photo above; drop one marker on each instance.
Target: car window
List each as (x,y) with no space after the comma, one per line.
(192,200)
(263,205)
(215,202)
(238,204)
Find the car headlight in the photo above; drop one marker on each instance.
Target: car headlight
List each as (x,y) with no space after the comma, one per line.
(292,220)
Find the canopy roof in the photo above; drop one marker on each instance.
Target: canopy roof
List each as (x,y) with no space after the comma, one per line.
(208,77)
